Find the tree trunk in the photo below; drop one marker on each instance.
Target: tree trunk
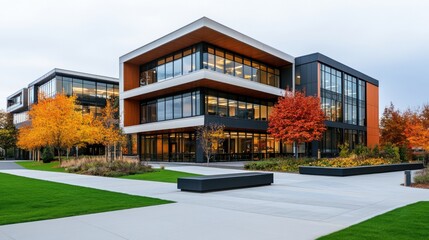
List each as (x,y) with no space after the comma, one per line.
(38,154)
(106,153)
(59,155)
(114,151)
(296,150)
(68,150)
(77,152)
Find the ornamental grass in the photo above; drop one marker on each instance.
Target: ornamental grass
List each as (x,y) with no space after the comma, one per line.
(99,166)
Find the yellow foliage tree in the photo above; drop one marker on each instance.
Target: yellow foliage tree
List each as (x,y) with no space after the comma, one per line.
(57,123)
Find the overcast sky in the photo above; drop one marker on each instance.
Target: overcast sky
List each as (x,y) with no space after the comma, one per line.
(387,40)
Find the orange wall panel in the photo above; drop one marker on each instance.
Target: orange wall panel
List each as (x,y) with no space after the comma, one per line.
(373,130)
(131,112)
(131,76)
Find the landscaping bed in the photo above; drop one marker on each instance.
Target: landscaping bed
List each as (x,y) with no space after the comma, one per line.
(350,171)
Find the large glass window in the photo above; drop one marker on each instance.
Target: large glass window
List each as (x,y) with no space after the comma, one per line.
(213,58)
(173,107)
(350,92)
(331,93)
(101,90)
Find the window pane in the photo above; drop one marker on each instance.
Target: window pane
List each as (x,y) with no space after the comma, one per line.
(242,112)
(211,105)
(211,59)
(223,107)
(152,111)
(110,91)
(229,64)
(187,64)
(247,70)
(232,108)
(169,68)
(67,86)
(264,112)
(77,87)
(257,114)
(178,106)
(250,111)
(220,61)
(89,90)
(169,108)
(177,64)
(101,90)
(161,110)
(160,72)
(187,105)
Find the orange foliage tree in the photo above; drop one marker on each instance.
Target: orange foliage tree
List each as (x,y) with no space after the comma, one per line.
(417,128)
(297,119)
(392,126)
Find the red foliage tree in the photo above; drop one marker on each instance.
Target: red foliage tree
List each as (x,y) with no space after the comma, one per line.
(297,118)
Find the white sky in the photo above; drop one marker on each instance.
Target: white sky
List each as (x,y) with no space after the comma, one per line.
(387,40)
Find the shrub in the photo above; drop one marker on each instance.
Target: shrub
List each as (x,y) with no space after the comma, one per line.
(350,162)
(422,177)
(47,155)
(404,154)
(278,164)
(344,150)
(390,151)
(98,166)
(362,151)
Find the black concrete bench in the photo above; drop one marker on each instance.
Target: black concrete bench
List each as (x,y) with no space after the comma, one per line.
(224,181)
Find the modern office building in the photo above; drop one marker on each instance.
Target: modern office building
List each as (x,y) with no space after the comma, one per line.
(91,91)
(206,72)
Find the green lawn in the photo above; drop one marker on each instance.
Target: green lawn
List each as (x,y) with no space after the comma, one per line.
(52,166)
(409,222)
(24,199)
(161,176)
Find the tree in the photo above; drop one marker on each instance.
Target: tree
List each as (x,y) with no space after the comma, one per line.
(417,128)
(8,133)
(109,127)
(297,119)
(210,137)
(392,126)
(55,122)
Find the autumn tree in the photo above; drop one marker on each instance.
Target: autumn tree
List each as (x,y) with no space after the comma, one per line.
(8,132)
(417,128)
(392,126)
(111,132)
(210,137)
(297,118)
(30,140)
(56,121)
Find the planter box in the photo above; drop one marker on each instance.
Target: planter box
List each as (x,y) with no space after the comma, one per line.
(350,171)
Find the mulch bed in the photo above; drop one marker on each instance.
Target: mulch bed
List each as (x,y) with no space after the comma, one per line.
(420,185)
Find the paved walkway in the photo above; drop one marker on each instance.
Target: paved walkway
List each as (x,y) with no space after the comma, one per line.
(295,207)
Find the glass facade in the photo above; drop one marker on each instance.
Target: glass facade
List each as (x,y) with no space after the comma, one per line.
(171,107)
(207,102)
(180,63)
(228,105)
(168,147)
(343,99)
(208,57)
(341,94)
(236,146)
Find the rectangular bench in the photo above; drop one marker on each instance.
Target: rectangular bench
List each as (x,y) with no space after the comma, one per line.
(224,181)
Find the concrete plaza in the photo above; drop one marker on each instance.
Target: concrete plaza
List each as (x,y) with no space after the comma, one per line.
(294,207)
